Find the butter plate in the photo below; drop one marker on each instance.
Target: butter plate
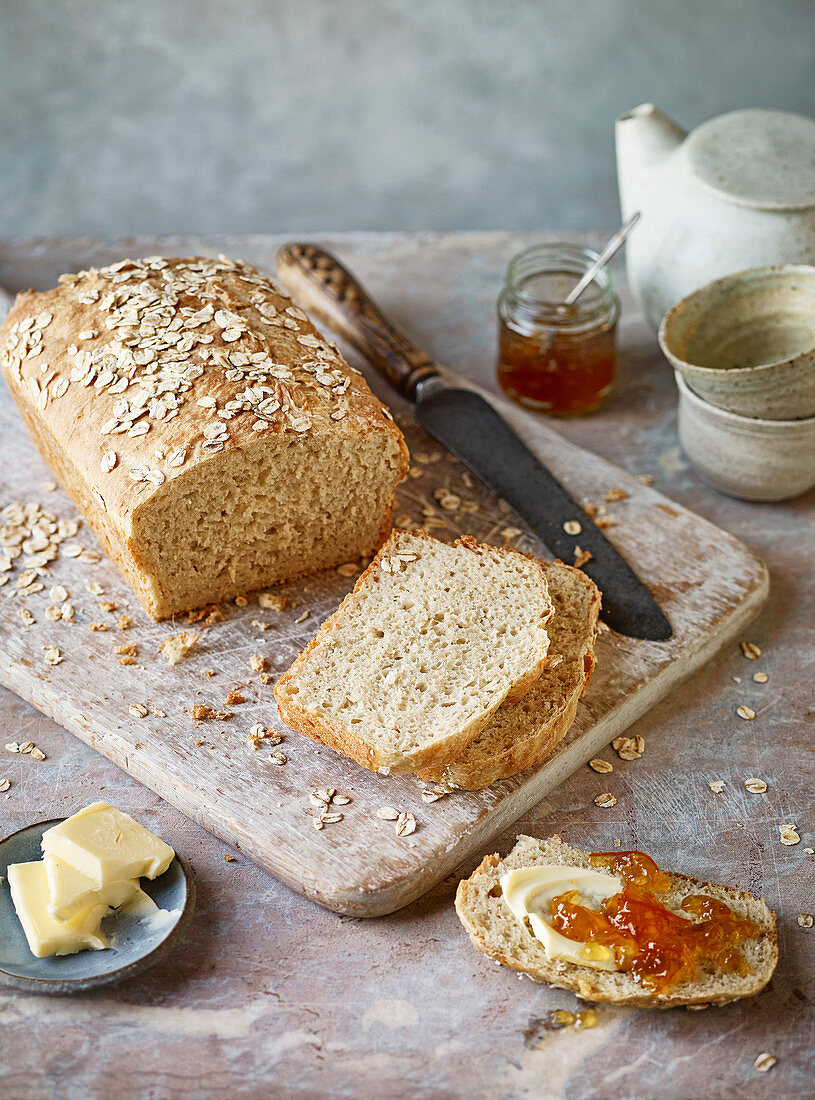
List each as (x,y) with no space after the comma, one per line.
(136,944)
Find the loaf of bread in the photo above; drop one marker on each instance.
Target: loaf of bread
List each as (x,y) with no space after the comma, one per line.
(433,638)
(521,734)
(213,440)
(495,930)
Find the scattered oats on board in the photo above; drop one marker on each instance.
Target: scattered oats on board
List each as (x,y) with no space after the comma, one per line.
(5,784)
(601,766)
(747,713)
(387,813)
(138,710)
(765,1062)
(434,793)
(605,800)
(760,677)
(349,569)
(629,748)
(509,533)
(276,756)
(53,656)
(805,920)
(716,785)
(178,646)
(750,650)
(756,786)
(572,527)
(789,834)
(405,824)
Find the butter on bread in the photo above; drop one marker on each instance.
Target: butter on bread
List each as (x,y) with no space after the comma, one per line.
(210,436)
(497,932)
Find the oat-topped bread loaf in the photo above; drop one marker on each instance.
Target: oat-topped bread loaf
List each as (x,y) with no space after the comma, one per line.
(522,734)
(433,638)
(484,910)
(214,441)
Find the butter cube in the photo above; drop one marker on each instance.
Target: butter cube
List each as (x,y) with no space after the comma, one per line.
(105,845)
(46,936)
(71,891)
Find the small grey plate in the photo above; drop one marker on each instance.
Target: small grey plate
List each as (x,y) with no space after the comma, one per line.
(135,945)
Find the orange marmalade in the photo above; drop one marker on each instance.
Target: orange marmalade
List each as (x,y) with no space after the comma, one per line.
(554,358)
(658,947)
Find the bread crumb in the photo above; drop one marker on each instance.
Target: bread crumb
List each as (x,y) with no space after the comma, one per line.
(716,785)
(258,663)
(98,626)
(805,920)
(234,698)
(201,712)
(125,622)
(581,557)
(270,601)
(178,646)
(241,601)
(209,614)
(613,495)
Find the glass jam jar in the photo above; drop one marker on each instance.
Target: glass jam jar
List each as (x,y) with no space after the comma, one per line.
(554,358)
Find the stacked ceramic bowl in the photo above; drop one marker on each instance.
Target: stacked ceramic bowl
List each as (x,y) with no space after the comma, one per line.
(743,353)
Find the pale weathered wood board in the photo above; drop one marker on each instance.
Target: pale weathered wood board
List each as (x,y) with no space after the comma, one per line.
(709,584)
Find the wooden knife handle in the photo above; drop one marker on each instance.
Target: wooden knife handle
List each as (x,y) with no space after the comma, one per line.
(320,284)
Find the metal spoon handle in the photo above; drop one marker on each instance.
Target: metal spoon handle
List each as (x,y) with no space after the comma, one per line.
(603,258)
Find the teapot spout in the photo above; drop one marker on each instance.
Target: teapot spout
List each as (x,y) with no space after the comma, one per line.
(644,138)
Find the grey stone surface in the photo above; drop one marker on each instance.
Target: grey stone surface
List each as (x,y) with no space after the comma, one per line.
(141,116)
(270,996)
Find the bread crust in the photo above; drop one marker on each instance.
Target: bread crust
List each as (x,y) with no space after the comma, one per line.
(341,737)
(474,771)
(586,981)
(65,414)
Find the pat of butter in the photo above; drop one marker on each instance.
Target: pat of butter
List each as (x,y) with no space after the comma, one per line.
(71,891)
(46,936)
(105,845)
(528,892)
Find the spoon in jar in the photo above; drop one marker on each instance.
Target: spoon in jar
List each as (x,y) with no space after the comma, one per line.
(601,261)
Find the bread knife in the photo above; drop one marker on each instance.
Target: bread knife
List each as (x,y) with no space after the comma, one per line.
(466,424)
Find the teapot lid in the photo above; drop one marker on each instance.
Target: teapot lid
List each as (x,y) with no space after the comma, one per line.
(757,158)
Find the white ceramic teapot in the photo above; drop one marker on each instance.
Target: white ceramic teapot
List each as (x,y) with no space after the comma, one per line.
(737,192)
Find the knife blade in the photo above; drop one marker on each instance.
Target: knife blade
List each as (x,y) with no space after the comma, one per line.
(468,426)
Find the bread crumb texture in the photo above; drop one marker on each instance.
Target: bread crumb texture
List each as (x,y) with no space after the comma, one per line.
(212,438)
(423,651)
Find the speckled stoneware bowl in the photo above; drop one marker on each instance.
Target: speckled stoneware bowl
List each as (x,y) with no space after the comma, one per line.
(746,457)
(746,343)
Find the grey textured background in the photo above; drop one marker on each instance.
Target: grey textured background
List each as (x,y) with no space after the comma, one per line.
(164,116)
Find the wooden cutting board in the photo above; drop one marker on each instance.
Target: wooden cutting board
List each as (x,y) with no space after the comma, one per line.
(709,584)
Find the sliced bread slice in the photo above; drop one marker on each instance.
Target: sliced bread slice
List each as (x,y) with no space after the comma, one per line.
(418,657)
(495,930)
(522,734)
